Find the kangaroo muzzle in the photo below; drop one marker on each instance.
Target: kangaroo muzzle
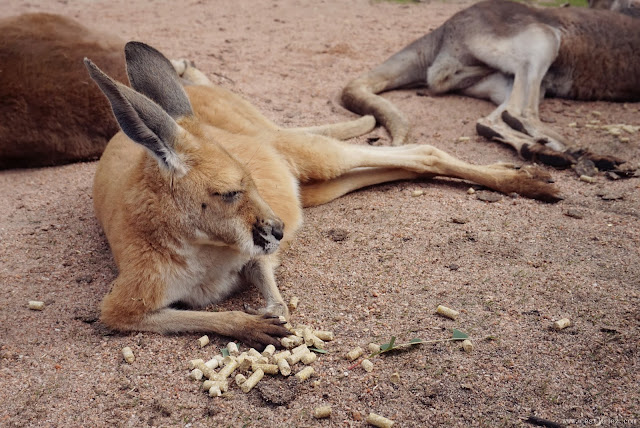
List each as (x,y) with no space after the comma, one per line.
(267,234)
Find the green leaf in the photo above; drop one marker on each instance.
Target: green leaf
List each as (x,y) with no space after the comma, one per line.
(458,335)
(415,341)
(388,346)
(225,352)
(319,351)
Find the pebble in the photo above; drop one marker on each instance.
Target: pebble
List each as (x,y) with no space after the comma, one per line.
(573,213)
(486,196)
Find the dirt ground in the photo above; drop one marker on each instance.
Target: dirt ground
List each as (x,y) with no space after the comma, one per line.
(371,265)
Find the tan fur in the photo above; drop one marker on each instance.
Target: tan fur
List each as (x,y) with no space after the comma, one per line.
(514,55)
(51,111)
(175,239)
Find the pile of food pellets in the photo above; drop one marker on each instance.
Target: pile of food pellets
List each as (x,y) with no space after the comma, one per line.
(251,366)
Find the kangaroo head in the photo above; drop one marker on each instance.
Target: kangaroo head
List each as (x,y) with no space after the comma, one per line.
(206,194)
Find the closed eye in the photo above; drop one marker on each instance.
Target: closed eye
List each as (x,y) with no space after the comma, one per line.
(230,196)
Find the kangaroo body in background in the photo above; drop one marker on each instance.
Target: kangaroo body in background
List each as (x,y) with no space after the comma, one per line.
(51,112)
(513,55)
(199,190)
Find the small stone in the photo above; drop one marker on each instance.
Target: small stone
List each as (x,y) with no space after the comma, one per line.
(612,175)
(454,266)
(612,196)
(337,235)
(471,191)
(586,167)
(487,196)
(458,220)
(573,213)
(395,377)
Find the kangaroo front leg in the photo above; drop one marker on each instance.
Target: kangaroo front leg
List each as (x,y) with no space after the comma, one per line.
(254,330)
(259,272)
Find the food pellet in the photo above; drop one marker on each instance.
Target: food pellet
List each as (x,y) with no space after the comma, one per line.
(379,421)
(309,358)
(196,374)
(207,384)
(587,179)
(222,384)
(447,312)
(281,355)
(226,371)
(233,349)
(194,363)
(127,353)
(284,367)
(324,335)
(267,368)
(417,193)
(322,412)
(293,303)
(367,365)
(254,353)
(212,363)
(355,353)
(562,324)
(203,341)
(305,373)
(240,379)
(374,348)
(395,377)
(36,305)
(295,357)
(248,384)
(301,348)
(268,351)
(286,342)
(206,371)
(215,391)
(467,345)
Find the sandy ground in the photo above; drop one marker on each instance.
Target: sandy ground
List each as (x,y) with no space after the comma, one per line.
(511,267)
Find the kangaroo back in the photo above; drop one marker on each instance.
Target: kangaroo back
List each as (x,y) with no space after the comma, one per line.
(51,112)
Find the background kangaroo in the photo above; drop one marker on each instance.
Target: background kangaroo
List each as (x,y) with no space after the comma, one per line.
(198,192)
(513,55)
(51,112)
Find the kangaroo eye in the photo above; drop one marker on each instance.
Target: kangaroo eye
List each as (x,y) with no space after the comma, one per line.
(230,196)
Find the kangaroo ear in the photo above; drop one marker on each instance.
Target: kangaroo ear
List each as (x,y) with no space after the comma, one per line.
(142,120)
(152,74)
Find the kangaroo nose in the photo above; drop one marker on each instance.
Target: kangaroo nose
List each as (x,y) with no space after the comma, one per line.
(277,229)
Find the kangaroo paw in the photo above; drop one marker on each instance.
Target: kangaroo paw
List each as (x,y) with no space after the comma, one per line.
(547,156)
(259,331)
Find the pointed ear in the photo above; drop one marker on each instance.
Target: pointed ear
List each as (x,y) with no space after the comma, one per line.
(141,119)
(152,74)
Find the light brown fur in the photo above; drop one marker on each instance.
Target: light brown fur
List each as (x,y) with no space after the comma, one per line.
(513,55)
(51,111)
(181,213)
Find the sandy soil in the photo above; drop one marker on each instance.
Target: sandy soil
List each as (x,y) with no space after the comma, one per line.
(511,267)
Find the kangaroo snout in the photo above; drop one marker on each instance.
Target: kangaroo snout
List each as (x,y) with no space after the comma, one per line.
(267,234)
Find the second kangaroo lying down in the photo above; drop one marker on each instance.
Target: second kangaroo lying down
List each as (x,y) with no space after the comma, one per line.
(513,55)
(199,190)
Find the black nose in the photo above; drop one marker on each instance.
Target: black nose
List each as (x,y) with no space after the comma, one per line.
(263,229)
(277,230)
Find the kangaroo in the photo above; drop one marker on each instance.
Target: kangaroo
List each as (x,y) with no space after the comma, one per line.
(51,112)
(512,55)
(199,191)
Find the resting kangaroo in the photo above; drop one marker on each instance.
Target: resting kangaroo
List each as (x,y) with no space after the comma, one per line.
(513,55)
(199,190)
(51,113)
